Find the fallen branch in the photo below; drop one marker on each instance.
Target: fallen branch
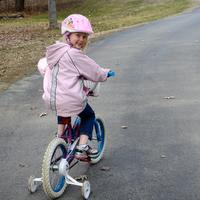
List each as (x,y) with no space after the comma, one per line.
(13,16)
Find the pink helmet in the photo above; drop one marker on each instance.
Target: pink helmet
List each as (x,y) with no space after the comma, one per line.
(76,23)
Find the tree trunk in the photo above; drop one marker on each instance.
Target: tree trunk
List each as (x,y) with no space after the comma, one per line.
(19,5)
(52,14)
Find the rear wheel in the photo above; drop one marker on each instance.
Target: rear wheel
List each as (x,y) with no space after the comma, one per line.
(98,139)
(54,183)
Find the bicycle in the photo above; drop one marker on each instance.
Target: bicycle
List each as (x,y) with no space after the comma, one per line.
(59,158)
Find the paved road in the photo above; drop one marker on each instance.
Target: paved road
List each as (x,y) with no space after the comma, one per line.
(158,156)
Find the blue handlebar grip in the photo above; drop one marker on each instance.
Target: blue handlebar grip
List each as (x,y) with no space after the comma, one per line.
(111,74)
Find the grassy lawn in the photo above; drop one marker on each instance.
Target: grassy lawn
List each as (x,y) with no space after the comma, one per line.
(23,41)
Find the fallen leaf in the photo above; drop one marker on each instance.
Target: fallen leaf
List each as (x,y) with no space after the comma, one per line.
(22,165)
(169,97)
(43,114)
(163,156)
(105,168)
(124,127)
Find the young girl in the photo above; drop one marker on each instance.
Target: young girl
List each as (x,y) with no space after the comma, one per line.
(64,91)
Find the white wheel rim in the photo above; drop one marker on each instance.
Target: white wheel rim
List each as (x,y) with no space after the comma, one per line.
(86,189)
(32,185)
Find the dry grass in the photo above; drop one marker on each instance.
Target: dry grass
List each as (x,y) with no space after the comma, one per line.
(20,49)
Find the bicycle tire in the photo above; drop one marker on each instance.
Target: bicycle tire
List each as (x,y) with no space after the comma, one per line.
(101,142)
(56,187)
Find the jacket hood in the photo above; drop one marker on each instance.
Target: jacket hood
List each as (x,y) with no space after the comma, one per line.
(55,52)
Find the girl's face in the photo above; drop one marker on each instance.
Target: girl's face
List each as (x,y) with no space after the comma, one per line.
(78,40)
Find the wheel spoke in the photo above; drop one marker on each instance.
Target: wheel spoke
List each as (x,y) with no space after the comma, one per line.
(56,160)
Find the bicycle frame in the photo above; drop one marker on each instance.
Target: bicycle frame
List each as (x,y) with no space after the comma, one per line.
(71,136)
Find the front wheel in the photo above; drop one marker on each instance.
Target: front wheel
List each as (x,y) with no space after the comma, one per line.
(99,139)
(54,183)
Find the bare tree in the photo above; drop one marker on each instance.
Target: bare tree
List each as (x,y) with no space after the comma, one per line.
(52,14)
(19,5)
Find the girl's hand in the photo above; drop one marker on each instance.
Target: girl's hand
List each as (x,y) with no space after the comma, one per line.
(111,73)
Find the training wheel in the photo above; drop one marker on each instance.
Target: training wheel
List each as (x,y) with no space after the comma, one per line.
(85,189)
(32,185)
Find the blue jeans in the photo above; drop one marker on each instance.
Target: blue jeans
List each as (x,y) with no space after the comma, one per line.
(87,121)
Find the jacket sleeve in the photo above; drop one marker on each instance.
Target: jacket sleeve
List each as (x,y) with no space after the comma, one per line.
(87,67)
(42,65)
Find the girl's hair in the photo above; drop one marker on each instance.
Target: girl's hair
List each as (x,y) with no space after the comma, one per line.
(66,37)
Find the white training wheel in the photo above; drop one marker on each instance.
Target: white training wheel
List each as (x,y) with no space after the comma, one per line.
(86,189)
(32,185)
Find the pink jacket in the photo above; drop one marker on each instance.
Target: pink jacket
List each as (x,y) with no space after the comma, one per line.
(63,79)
